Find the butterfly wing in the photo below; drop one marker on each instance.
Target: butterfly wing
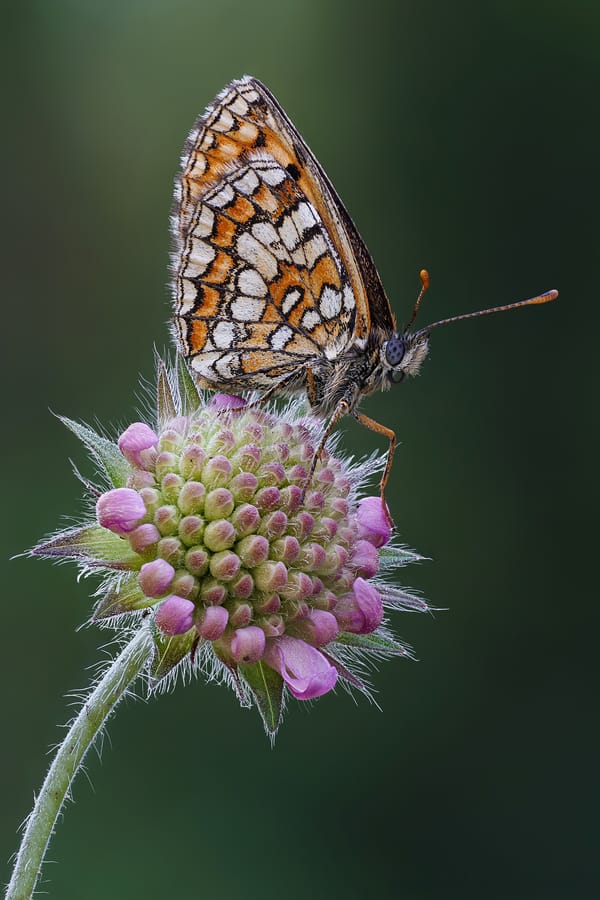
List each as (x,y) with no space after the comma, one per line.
(269,269)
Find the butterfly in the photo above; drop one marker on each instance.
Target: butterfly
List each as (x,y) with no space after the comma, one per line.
(274,289)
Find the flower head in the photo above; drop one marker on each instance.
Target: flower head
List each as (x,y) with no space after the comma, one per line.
(250,572)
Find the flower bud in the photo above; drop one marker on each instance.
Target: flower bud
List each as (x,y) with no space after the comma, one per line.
(185,585)
(245,519)
(226,401)
(191,529)
(171,549)
(170,441)
(219,535)
(175,615)
(166,463)
(151,499)
(216,472)
(318,628)
(139,479)
(274,524)
(273,625)
(212,622)
(373,524)
(191,498)
(212,592)
(360,612)
(240,613)
(224,565)
(365,559)
(267,603)
(196,561)
(267,498)
(242,586)
(248,459)
(143,538)
(248,644)
(291,498)
(219,504)
(193,460)
(120,510)
(166,519)
(270,576)
(285,549)
(155,578)
(253,550)
(134,439)
(171,486)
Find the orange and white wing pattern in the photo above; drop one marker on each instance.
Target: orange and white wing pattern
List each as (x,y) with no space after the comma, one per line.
(270,272)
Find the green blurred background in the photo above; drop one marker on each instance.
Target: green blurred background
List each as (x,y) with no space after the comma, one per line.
(462,137)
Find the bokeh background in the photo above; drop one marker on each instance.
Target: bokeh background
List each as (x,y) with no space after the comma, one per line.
(462,137)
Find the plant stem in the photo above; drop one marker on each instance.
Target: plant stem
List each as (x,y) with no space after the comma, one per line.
(95,711)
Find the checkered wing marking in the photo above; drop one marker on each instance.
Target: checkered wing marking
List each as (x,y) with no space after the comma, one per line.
(269,269)
(261,288)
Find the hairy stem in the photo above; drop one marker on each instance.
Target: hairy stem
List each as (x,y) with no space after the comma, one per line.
(96,709)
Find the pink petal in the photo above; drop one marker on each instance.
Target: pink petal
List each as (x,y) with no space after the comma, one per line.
(361,611)
(365,559)
(305,671)
(373,524)
(370,604)
(120,510)
(155,578)
(248,644)
(324,626)
(227,401)
(174,615)
(134,439)
(213,622)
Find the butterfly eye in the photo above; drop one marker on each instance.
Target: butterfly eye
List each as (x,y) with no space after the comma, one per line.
(394,351)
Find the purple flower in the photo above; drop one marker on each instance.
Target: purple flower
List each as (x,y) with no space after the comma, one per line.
(155,578)
(365,559)
(248,644)
(305,671)
(267,577)
(120,510)
(175,615)
(226,401)
(134,440)
(360,612)
(373,524)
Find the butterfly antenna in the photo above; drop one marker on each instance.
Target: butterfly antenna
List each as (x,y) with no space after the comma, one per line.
(424,276)
(533,301)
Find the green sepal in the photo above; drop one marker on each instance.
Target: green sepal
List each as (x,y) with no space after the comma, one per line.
(267,689)
(166,407)
(343,672)
(170,650)
(374,641)
(188,392)
(104,452)
(392,557)
(127,597)
(92,545)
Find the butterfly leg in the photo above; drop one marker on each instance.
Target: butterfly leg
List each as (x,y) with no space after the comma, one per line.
(342,410)
(372,425)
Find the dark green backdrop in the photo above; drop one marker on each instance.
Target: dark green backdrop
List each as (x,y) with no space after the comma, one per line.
(462,137)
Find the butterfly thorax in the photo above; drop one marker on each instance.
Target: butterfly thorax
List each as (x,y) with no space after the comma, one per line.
(386,360)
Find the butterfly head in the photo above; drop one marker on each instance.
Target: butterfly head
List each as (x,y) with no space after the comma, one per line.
(402,355)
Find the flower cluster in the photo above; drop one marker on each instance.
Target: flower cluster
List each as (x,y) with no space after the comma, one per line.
(249,570)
